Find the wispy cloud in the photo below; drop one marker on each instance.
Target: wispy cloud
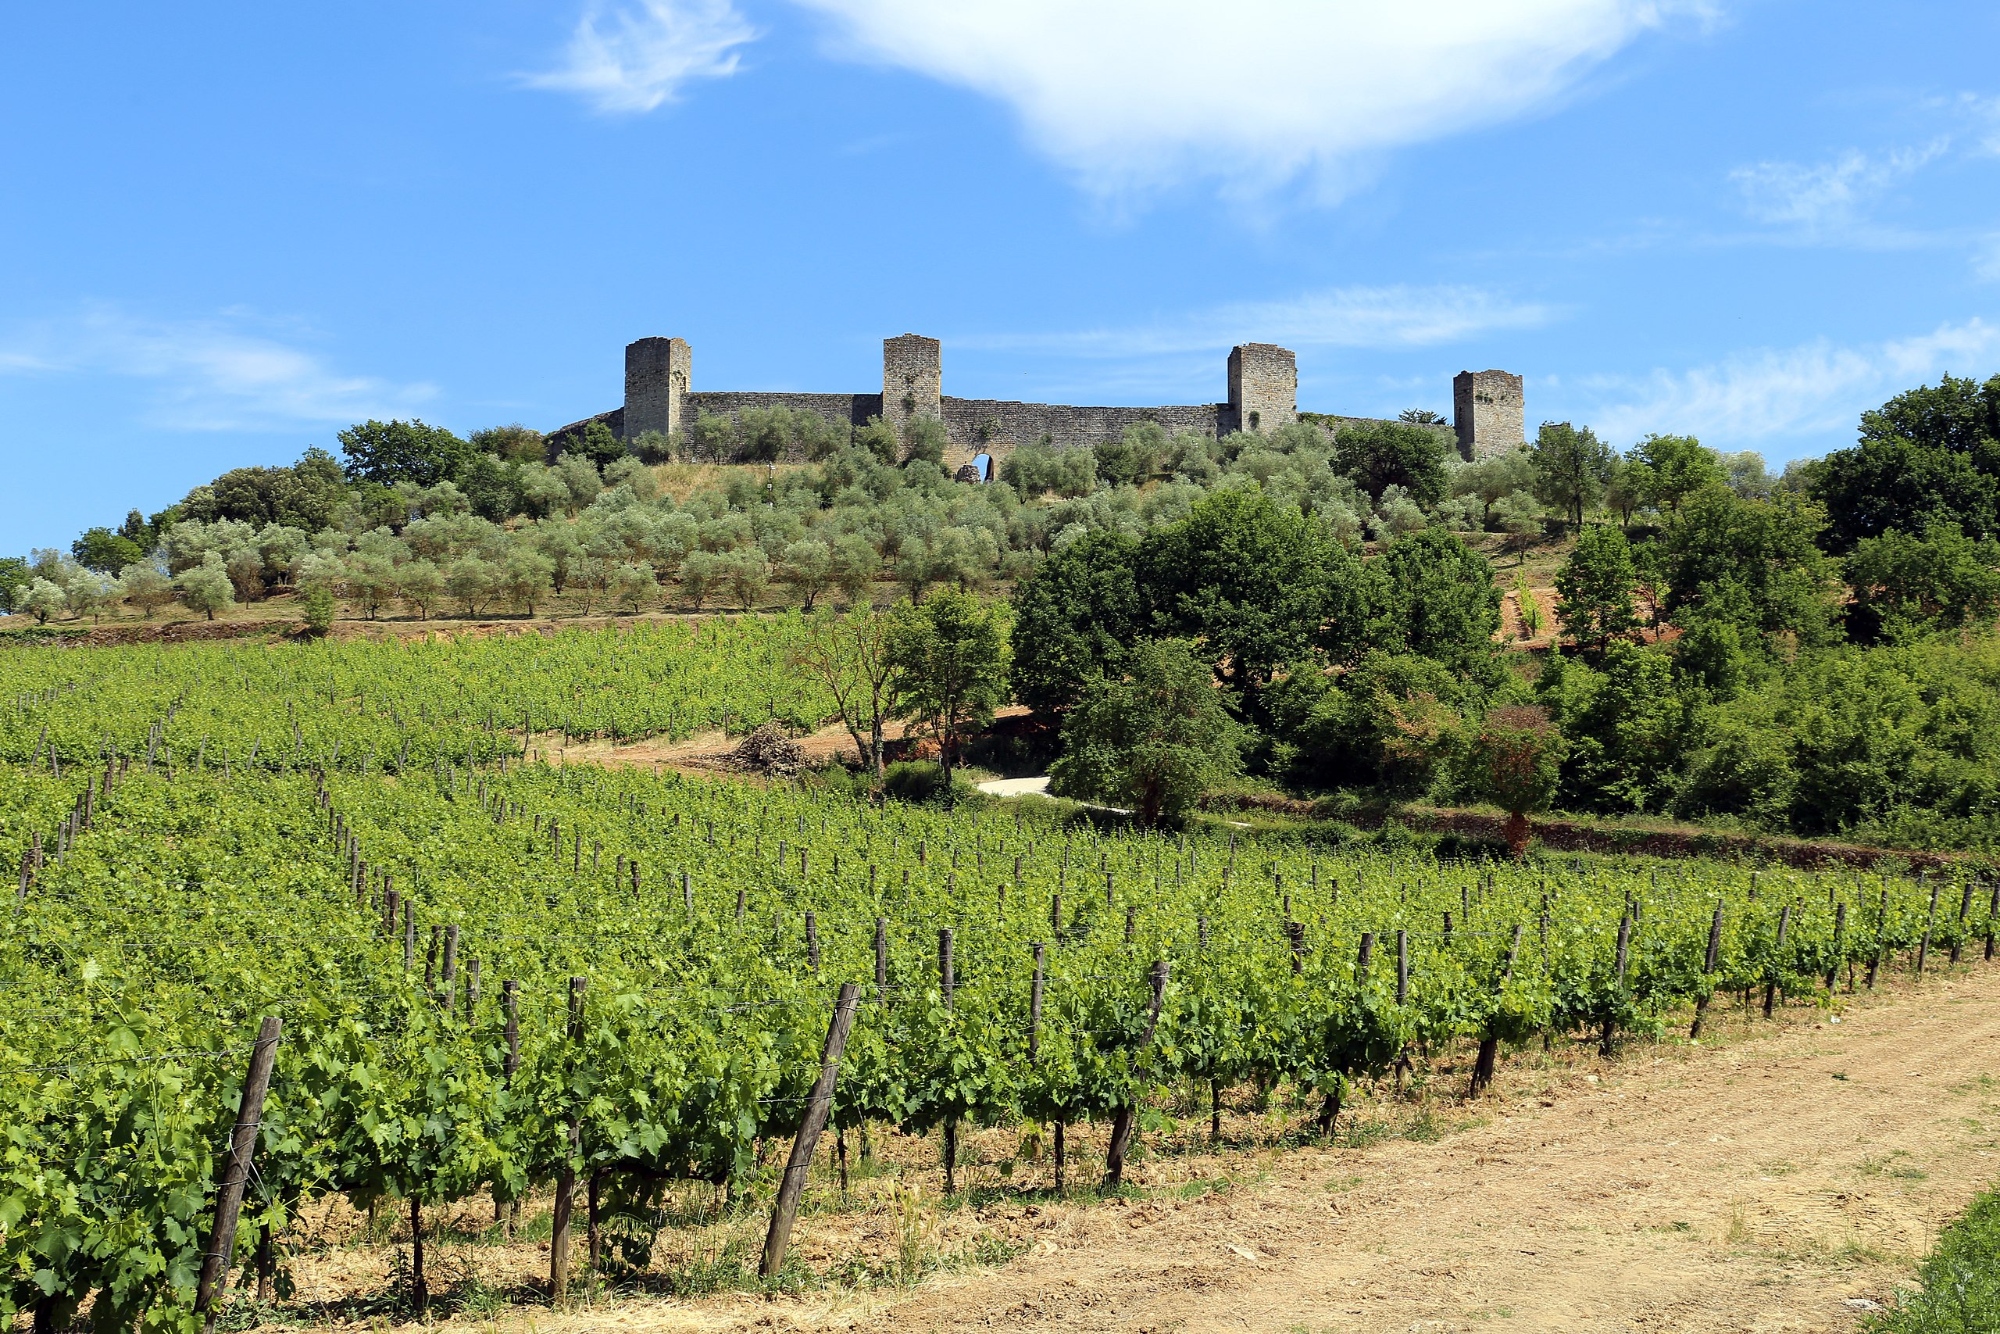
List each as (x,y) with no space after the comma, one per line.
(1763,396)
(1830,197)
(220,374)
(1140,94)
(633,58)
(1394,316)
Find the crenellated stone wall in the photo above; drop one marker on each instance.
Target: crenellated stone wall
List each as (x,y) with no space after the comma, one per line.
(1262,381)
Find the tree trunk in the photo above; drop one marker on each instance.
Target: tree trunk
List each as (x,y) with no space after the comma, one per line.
(1518,832)
(559,1239)
(1121,1140)
(1214,1113)
(1482,1069)
(1329,1111)
(951,1155)
(1061,1155)
(420,1293)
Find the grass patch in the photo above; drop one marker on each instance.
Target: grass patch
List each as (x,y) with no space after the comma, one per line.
(1959,1285)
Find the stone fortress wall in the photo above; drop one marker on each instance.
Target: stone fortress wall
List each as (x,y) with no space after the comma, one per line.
(1262,382)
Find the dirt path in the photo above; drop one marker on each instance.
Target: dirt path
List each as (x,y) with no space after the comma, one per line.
(1754,1188)
(1775,1183)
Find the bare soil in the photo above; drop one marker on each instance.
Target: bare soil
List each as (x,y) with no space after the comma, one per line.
(1777,1177)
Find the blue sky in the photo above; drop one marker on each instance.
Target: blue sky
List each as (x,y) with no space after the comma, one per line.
(229,229)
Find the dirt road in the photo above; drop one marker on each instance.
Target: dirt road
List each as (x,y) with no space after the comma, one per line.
(1776,1182)
(1755,1188)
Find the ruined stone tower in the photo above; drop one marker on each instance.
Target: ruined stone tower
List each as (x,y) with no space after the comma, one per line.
(912,380)
(1263,386)
(1487,409)
(657,374)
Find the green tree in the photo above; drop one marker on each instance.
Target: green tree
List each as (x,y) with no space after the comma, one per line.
(513,443)
(1928,456)
(1676,466)
(1073,617)
(1152,738)
(45,598)
(849,655)
(633,584)
(924,441)
(1389,723)
(748,572)
(1133,458)
(806,565)
(1754,562)
(1514,760)
(421,584)
(1434,596)
(402,451)
(856,562)
(950,656)
(1256,583)
(1594,587)
(1376,455)
(145,586)
(525,577)
(1571,467)
(1905,586)
(701,574)
(206,587)
(14,581)
(472,580)
(1626,727)
(106,552)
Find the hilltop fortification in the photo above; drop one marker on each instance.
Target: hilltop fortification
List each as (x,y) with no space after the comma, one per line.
(1262,383)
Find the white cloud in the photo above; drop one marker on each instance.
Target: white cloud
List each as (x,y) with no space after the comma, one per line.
(633,58)
(1770,395)
(1396,316)
(1145,93)
(1831,195)
(208,375)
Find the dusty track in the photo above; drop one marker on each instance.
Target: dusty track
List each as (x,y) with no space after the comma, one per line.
(1756,1186)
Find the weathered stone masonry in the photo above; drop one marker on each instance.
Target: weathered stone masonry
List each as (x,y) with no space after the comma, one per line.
(1262,383)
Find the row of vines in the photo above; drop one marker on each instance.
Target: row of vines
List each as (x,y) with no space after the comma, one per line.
(497,980)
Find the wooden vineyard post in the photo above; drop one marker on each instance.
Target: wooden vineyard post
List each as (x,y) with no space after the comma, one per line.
(812,939)
(1930,924)
(1840,944)
(510,1006)
(818,1103)
(1959,935)
(565,1203)
(1881,930)
(1710,963)
(1771,982)
(1604,1047)
(215,1261)
(1035,1008)
(881,958)
(1992,912)
(1126,1116)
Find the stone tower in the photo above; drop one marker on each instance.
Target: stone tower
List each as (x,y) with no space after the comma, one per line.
(656,385)
(912,380)
(1487,408)
(1263,386)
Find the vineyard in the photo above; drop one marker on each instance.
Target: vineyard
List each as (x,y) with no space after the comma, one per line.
(500,977)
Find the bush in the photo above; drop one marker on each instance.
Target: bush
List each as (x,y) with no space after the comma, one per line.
(1961,1280)
(318,606)
(918,782)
